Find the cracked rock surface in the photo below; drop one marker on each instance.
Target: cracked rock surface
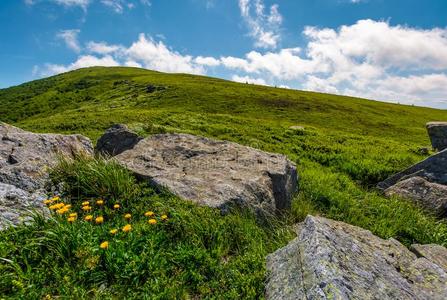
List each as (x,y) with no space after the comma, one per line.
(335,260)
(214,173)
(25,158)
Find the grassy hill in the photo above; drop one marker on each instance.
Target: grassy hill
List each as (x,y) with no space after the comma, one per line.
(347,146)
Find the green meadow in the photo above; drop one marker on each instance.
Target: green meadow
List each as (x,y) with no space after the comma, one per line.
(342,147)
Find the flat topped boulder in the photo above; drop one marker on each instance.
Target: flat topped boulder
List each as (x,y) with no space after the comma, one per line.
(213,173)
(116,139)
(334,260)
(25,158)
(437,132)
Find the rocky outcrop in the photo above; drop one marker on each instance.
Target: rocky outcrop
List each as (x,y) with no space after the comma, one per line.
(437,132)
(433,169)
(431,196)
(116,139)
(334,260)
(214,173)
(24,161)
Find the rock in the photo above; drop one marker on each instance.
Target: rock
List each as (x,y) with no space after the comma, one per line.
(214,173)
(24,160)
(437,132)
(432,252)
(433,169)
(431,196)
(334,260)
(296,127)
(117,139)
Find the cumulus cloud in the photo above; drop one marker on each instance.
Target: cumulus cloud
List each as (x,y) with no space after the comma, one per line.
(263,27)
(83,61)
(247,79)
(70,37)
(371,59)
(81,3)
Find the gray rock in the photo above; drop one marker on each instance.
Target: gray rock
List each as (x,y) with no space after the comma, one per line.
(117,139)
(214,173)
(25,158)
(433,169)
(334,260)
(437,132)
(432,252)
(431,196)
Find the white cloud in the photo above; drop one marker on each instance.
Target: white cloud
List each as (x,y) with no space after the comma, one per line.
(82,62)
(81,3)
(116,5)
(263,27)
(247,79)
(102,47)
(207,61)
(70,37)
(371,59)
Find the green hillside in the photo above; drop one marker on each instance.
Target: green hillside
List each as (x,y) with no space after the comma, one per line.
(346,147)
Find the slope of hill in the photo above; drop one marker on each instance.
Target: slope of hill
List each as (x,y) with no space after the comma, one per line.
(342,146)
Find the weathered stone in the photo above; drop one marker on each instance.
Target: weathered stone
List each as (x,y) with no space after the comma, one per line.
(432,252)
(334,260)
(24,161)
(117,139)
(214,173)
(431,196)
(433,169)
(437,132)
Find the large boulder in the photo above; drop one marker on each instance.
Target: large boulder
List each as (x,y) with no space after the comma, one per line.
(334,260)
(214,173)
(433,169)
(429,195)
(116,139)
(437,132)
(25,158)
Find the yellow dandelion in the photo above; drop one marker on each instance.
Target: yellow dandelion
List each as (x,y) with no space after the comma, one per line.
(99,220)
(73,215)
(62,211)
(88,218)
(68,206)
(164,217)
(71,219)
(100,202)
(149,213)
(104,245)
(85,203)
(127,228)
(127,216)
(48,201)
(56,198)
(116,206)
(113,231)
(86,208)
(53,207)
(152,221)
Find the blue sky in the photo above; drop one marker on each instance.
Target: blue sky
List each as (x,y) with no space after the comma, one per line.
(388,50)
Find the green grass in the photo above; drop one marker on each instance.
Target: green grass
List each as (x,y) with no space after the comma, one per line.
(347,147)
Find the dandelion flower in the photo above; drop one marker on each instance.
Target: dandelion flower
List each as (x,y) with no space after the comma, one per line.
(164,217)
(48,201)
(127,216)
(104,245)
(100,202)
(71,219)
(116,206)
(127,228)
(99,220)
(149,213)
(88,218)
(113,231)
(56,198)
(86,208)
(62,211)
(68,206)
(73,215)
(152,221)
(85,203)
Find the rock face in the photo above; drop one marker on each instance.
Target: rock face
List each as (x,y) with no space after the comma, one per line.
(432,196)
(24,160)
(117,139)
(334,260)
(433,169)
(214,173)
(438,134)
